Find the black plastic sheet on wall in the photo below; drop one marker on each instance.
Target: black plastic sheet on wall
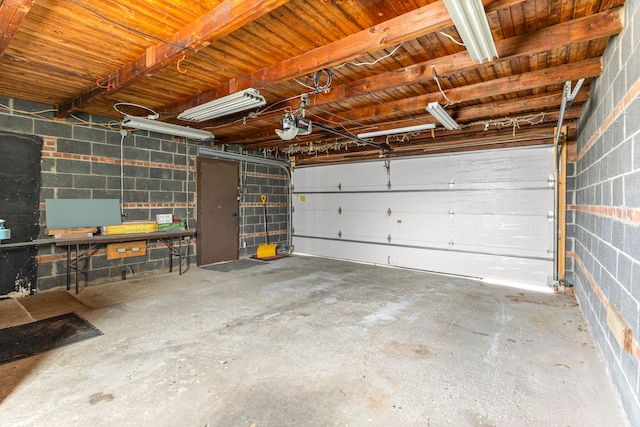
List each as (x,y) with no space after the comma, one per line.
(20,157)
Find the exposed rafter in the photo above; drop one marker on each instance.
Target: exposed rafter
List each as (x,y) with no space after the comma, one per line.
(424,20)
(224,19)
(519,82)
(388,60)
(12,13)
(592,27)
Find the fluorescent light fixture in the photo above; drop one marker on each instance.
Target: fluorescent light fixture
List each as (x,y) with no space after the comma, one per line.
(472,25)
(239,101)
(438,112)
(397,130)
(166,128)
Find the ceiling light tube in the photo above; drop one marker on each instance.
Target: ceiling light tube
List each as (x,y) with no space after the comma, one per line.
(234,103)
(472,25)
(445,119)
(394,131)
(166,128)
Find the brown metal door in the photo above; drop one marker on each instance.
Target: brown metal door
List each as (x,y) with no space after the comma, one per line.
(217,221)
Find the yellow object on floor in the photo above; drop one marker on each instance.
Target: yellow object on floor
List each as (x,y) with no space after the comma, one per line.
(266,251)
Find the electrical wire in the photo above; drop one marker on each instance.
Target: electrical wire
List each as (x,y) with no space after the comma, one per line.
(451,37)
(437,80)
(38,115)
(361,64)
(316,80)
(152,116)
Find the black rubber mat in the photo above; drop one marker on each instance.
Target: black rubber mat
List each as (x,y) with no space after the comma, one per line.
(30,339)
(239,264)
(271,258)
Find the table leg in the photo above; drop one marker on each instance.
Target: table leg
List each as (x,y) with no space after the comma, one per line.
(68,267)
(170,244)
(180,254)
(77,266)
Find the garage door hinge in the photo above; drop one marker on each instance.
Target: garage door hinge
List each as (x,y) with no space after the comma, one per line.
(389,212)
(340,234)
(551,181)
(451,182)
(389,238)
(451,242)
(340,210)
(451,213)
(339,186)
(550,216)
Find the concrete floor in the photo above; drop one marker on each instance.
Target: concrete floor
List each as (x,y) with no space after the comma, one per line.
(310,342)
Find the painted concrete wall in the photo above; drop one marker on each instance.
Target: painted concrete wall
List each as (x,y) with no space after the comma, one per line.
(81,159)
(604,216)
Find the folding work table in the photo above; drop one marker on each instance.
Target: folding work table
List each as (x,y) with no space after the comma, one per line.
(171,239)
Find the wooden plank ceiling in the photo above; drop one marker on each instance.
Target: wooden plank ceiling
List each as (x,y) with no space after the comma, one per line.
(387,60)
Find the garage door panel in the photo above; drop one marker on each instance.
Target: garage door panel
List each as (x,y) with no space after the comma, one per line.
(362,177)
(533,201)
(514,167)
(481,214)
(506,231)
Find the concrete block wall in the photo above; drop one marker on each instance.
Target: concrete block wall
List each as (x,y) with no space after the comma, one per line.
(604,211)
(273,182)
(81,160)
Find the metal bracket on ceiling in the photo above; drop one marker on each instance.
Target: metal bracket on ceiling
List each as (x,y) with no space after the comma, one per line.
(568,96)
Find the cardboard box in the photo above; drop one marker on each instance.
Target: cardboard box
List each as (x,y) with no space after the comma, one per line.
(126,249)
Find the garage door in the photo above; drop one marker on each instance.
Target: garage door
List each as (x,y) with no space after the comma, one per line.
(484,214)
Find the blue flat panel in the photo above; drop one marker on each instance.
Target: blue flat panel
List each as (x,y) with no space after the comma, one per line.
(73,213)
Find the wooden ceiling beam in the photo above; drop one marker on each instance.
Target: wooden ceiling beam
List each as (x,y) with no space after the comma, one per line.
(588,28)
(521,82)
(484,112)
(12,13)
(584,29)
(217,23)
(425,20)
(445,141)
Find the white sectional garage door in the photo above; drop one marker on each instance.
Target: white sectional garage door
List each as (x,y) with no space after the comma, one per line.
(481,214)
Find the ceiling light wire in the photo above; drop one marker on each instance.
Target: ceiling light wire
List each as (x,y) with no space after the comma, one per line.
(154,115)
(362,64)
(38,115)
(437,80)
(451,37)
